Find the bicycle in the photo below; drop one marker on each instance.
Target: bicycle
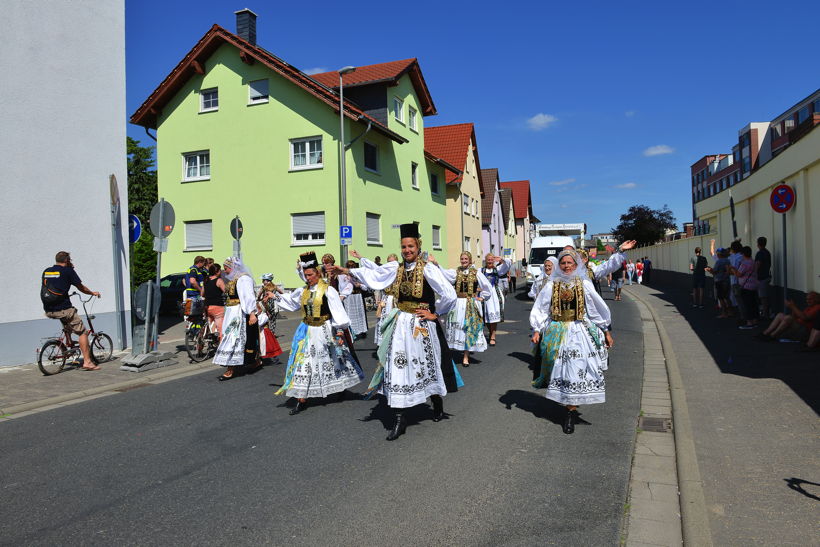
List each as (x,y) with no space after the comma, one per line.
(201,341)
(55,352)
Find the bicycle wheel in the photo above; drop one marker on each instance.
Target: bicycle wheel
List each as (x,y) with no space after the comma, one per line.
(51,358)
(196,345)
(101,348)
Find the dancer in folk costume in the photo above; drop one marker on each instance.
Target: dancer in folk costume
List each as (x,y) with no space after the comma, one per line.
(464,325)
(494,268)
(550,265)
(269,347)
(240,333)
(570,323)
(322,360)
(386,302)
(413,346)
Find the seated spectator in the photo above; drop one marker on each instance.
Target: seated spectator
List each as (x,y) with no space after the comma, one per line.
(798,325)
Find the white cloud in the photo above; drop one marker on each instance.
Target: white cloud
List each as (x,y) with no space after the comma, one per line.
(658,150)
(563,182)
(315,70)
(541,121)
(564,206)
(629,113)
(626,186)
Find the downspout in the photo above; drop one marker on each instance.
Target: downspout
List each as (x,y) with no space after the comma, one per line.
(150,135)
(369,125)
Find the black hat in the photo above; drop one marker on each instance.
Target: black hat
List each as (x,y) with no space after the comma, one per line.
(308,260)
(409,230)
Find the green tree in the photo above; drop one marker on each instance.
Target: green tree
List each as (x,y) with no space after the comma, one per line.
(644,224)
(142,195)
(599,245)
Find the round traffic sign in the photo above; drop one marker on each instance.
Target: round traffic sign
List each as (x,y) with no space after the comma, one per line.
(236,228)
(134,228)
(162,227)
(782,198)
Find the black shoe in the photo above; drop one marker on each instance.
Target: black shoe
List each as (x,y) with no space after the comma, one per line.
(224,378)
(398,428)
(300,406)
(438,407)
(569,422)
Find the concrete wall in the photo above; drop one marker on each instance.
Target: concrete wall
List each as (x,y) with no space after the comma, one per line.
(62,111)
(799,167)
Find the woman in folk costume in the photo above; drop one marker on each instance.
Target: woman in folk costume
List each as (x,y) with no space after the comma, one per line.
(464,325)
(569,322)
(386,303)
(550,265)
(413,346)
(269,347)
(494,268)
(321,360)
(240,333)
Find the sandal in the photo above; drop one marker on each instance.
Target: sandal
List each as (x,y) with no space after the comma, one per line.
(95,367)
(492,341)
(224,378)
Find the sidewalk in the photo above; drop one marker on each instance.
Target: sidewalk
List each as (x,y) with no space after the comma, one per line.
(751,409)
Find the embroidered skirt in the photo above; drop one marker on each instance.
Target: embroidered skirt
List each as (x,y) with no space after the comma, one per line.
(494,307)
(231,350)
(388,305)
(461,327)
(578,371)
(354,304)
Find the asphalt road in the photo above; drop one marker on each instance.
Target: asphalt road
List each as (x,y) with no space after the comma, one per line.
(201,462)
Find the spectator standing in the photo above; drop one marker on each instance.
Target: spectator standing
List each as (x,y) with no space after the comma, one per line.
(639,270)
(763,264)
(747,282)
(618,281)
(698,265)
(647,270)
(57,281)
(195,281)
(735,256)
(630,271)
(213,291)
(720,271)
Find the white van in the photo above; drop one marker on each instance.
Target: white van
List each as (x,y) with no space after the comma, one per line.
(543,247)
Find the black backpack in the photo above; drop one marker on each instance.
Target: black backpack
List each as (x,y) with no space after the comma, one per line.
(48,295)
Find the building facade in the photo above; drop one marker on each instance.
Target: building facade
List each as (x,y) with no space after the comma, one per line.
(492,220)
(81,138)
(523,216)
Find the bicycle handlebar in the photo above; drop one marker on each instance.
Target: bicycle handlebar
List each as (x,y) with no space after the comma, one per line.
(75,293)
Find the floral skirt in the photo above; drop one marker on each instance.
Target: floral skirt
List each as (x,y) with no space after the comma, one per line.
(579,363)
(462,327)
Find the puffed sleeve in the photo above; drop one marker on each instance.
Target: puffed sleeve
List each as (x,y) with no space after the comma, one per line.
(367,263)
(301,273)
(291,301)
(540,313)
(534,289)
(380,277)
(449,275)
(247,298)
(339,318)
(504,267)
(445,291)
(597,310)
(484,286)
(612,264)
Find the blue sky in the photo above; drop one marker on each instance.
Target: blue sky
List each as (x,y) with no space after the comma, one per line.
(601,105)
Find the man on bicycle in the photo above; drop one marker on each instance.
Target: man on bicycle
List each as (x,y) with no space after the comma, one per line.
(58,280)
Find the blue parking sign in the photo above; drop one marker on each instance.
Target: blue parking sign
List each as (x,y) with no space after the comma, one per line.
(346,235)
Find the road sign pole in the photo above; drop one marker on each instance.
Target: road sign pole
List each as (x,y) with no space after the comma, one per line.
(785,266)
(115,247)
(155,314)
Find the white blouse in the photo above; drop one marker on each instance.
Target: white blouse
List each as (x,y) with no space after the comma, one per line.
(384,276)
(293,301)
(596,309)
(612,264)
(484,286)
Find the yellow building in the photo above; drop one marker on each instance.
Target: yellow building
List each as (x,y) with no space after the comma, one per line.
(456,144)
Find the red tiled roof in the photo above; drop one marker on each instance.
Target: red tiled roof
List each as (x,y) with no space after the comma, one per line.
(384,72)
(194,63)
(450,143)
(488,178)
(522,205)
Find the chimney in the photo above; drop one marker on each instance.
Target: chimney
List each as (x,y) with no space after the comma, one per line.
(246,25)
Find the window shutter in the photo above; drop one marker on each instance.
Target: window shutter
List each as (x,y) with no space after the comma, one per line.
(373,232)
(308,223)
(198,235)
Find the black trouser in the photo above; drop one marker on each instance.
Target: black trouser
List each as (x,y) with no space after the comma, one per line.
(251,342)
(749,304)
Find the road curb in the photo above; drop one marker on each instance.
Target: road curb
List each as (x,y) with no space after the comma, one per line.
(694,517)
(143,378)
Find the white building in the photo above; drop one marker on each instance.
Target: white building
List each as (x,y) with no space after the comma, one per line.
(62,111)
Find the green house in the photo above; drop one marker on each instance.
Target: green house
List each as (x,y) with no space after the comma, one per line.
(242,132)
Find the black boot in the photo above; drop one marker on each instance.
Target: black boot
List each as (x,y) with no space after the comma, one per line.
(569,422)
(438,407)
(398,428)
(300,406)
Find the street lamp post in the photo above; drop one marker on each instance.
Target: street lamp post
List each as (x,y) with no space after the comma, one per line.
(343,178)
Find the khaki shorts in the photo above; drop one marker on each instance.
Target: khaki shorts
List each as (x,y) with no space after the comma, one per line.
(70,320)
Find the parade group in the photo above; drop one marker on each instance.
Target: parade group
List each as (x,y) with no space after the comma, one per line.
(426,314)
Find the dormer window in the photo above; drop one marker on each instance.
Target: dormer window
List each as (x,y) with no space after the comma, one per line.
(209,100)
(398,109)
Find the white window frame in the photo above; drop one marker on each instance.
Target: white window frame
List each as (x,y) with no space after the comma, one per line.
(307,166)
(369,217)
(398,110)
(412,118)
(436,230)
(312,238)
(260,99)
(414,175)
(198,154)
(465,207)
(466,244)
(202,107)
(437,190)
(378,163)
(191,248)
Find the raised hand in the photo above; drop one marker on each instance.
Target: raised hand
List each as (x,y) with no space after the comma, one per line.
(355,254)
(626,245)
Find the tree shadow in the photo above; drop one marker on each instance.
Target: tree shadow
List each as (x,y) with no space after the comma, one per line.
(537,405)
(797,485)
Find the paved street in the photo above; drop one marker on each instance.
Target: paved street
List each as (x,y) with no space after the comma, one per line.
(196,461)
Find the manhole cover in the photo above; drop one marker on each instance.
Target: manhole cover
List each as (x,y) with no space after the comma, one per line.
(656,425)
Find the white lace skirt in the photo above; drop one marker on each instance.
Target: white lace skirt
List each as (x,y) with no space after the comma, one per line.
(315,372)
(578,373)
(494,307)
(354,304)
(454,327)
(231,350)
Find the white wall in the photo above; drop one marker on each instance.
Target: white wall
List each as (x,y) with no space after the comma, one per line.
(62,113)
